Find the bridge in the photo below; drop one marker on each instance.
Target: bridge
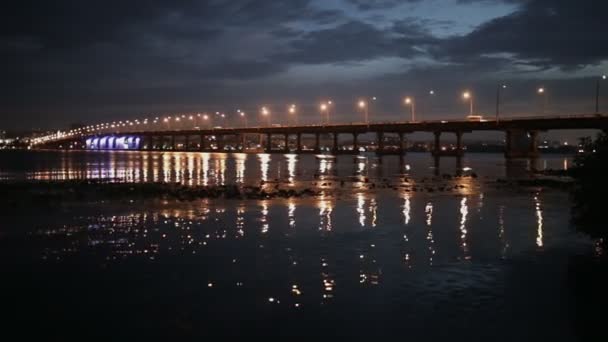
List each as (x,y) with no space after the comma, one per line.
(521,136)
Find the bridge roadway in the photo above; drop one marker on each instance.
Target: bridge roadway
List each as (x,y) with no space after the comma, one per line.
(521,133)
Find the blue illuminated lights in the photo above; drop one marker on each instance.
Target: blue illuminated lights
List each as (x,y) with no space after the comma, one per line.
(112,142)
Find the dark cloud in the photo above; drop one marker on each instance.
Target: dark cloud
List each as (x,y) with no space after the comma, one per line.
(357,41)
(60,56)
(558,33)
(366,5)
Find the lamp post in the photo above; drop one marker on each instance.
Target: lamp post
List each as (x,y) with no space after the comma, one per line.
(292,112)
(266,113)
(244,116)
(468,96)
(597,93)
(504,86)
(542,92)
(324,109)
(363,106)
(410,102)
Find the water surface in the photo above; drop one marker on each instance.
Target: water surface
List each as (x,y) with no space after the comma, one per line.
(477,263)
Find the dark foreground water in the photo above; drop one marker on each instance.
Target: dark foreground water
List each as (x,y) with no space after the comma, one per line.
(475,264)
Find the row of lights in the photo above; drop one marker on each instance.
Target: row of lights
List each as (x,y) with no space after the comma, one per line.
(265,112)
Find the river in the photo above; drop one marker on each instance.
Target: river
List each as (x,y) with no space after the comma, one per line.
(478,263)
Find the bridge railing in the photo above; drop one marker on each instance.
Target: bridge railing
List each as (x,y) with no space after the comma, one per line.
(60,135)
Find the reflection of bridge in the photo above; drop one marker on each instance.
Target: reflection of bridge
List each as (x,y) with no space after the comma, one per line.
(521,136)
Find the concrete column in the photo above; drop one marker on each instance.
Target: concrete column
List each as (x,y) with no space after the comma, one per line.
(356,142)
(533,142)
(459,150)
(508,143)
(150,143)
(436,164)
(286,138)
(380,136)
(203,142)
(173,142)
(186,142)
(220,142)
(335,145)
(437,145)
(241,138)
(317,142)
(401,143)
(268,142)
(299,142)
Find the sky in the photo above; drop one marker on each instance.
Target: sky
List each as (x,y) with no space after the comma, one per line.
(69,61)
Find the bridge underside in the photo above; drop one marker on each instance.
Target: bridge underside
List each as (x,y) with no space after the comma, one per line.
(521,137)
(519,143)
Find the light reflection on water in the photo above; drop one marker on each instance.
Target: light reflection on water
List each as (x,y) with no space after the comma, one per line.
(213,231)
(406,252)
(195,168)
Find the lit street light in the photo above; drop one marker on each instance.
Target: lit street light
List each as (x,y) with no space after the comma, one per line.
(541,91)
(244,116)
(266,113)
(410,102)
(504,86)
(292,112)
(363,106)
(324,109)
(468,96)
(597,93)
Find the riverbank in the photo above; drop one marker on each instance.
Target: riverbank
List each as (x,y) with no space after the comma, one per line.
(52,192)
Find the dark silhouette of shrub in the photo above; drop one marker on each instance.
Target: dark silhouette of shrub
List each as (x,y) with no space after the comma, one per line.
(590,195)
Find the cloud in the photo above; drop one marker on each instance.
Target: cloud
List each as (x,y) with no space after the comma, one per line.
(55,55)
(559,33)
(367,5)
(356,41)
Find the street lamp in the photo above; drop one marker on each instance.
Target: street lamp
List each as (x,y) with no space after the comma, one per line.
(244,116)
(363,106)
(504,86)
(292,112)
(410,102)
(597,93)
(468,96)
(266,113)
(541,91)
(324,109)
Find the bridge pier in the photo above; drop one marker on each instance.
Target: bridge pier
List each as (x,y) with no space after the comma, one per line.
(152,143)
(286,140)
(268,142)
(334,147)
(459,150)
(521,144)
(402,144)
(356,142)
(299,142)
(173,147)
(317,142)
(438,152)
(203,142)
(187,142)
(242,139)
(219,139)
(437,147)
(380,140)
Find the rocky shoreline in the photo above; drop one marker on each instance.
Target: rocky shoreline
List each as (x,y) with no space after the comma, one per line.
(53,192)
